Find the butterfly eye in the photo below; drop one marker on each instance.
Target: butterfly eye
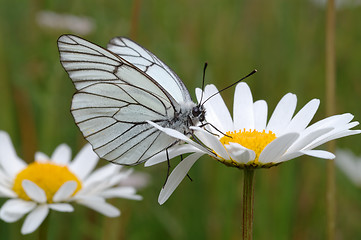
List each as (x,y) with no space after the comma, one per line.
(198,112)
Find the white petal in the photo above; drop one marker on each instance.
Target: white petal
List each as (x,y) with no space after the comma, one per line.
(34,191)
(84,162)
(260,115)
(172,152)
(5,180)
(274,150)
(121,192)
(199,94)
(101,206)
(243,116)
(216,110)
(177,175)
(102,174)
(346,133)
(10,217)
(11,163)
(81,197)
(117,178)
(178,135)
(6,192)
(61,155)
(212,142)
(289,156)
(18,206)
(319,154)
(34,219)
(239,153)
(61,207)
(304,116)
(13,209)
(158,158)
(303,141)
(333,137)
(333,121)
(282,115)
(91,189)
(65,191)
(334,134)
(41,157)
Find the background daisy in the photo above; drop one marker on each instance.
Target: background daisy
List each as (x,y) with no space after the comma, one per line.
(350,164)
(55,182)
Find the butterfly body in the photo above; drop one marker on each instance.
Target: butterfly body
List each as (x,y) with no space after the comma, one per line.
(119,90)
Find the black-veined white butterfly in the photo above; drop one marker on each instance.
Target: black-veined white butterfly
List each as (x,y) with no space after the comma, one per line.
(119,89)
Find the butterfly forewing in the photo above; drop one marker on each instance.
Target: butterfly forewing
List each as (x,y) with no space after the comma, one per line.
(113,102)
(150,64)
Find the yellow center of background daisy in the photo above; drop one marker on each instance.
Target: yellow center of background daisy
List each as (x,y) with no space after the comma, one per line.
(48,176)
(250,139)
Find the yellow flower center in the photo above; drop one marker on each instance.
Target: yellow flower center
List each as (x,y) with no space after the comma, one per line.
(48,176)
(251,139)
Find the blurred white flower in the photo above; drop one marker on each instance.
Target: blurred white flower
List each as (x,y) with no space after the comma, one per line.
(350,164)
(137,180)
(339,4)
(55,182)
(248,140)
(65,22)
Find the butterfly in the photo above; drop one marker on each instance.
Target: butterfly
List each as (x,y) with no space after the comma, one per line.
(120,89)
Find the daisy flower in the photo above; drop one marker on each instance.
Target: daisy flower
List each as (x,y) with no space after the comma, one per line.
(249,140)
(350,164)
(55,182)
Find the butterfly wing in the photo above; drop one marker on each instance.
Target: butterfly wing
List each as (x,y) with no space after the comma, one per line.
(113,101)
(151,65)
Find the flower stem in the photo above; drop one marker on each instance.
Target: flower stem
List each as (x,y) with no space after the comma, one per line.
(330,110)
(248,200)
(136,7)
(43,230)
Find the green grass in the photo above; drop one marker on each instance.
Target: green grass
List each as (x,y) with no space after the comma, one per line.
(283,40)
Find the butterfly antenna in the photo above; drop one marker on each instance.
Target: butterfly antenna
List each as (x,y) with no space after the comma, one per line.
(250,74)
(203,80)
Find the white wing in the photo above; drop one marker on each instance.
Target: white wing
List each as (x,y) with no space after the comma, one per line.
(151,65)
(113,102)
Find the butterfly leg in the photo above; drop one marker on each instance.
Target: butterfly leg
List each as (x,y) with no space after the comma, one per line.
(168,170)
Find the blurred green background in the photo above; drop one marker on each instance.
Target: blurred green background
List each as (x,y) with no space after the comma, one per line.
(283,40)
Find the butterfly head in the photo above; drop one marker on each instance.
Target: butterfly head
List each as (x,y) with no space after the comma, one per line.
(199,113)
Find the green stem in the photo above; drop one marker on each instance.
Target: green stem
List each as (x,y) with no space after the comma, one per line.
(43,229)
(136,8)
(330,110)
(248,200)
(331,200)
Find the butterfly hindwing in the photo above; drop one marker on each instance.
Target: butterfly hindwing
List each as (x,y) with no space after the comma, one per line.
(151,65)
